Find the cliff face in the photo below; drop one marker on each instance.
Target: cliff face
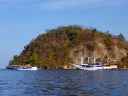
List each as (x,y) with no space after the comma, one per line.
(59,47)
(101,53)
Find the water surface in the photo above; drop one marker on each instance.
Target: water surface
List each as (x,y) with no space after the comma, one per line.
(64,83)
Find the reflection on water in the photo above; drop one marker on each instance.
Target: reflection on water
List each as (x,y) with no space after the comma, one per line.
(64,83)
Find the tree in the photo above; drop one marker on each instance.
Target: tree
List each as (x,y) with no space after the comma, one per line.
(124,62)
(120,65)
(121,37)
(94,31)
(108,41)
(92,46)
(33,59)
(15,57)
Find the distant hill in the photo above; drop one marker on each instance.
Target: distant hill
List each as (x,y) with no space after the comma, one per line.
(59,47)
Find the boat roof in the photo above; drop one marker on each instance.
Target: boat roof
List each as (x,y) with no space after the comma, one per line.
(19,65)
(84,64)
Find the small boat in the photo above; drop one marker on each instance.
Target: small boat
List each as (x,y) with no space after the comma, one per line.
(110,66)
(12,68)
(27,68)
(22,67)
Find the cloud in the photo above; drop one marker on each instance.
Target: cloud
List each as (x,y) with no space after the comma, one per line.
(59,4)
(68,4)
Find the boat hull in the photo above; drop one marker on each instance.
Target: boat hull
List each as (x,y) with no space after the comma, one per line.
(94,68)
(31,68)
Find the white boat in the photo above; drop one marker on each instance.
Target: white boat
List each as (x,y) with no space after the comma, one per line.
(28,68)
(88,66)
(112,66)
(95,66)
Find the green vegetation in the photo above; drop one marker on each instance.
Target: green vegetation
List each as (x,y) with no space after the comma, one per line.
(123,63)
(108,41)
(92,46)
(33,60)
(15,57)
(121,37)
(52,50)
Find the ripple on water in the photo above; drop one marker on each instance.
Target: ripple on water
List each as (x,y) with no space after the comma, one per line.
(64,83)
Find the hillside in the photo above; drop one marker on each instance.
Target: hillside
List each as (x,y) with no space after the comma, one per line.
(59,47)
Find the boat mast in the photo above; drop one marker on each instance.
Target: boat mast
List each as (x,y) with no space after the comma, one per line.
(108,60)
(94,59)
(82,59)
(88,59)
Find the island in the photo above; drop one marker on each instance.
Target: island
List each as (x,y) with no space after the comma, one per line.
(61,47)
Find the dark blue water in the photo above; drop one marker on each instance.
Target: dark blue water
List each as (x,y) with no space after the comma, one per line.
(64,83)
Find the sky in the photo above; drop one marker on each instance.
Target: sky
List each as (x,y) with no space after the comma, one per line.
(23,20)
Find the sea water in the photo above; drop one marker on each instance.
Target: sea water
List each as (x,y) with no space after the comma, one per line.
(64,83)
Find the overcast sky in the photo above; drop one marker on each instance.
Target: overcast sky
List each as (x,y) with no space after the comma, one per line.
(23,20)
